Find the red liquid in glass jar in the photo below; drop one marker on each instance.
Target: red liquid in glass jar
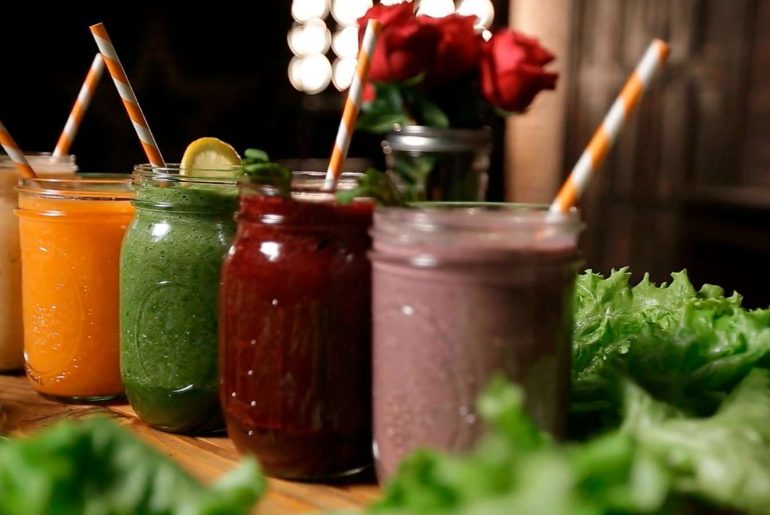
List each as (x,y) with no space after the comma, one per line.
(295,336)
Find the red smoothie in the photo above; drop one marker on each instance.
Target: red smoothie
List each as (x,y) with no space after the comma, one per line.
(295,324)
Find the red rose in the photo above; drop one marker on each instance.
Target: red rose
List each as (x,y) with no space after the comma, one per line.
(512,70)
(405,47)
(458,49)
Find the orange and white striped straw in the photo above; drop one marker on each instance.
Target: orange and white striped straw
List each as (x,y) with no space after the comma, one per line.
(16,155)
(601,142)
(81,104)
(127,95)
(352,105)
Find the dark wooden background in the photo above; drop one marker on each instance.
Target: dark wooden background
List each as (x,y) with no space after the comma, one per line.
(688,184)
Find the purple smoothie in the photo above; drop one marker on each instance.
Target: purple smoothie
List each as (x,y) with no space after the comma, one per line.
(460,295)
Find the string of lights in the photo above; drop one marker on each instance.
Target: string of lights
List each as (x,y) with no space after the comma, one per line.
(322,59)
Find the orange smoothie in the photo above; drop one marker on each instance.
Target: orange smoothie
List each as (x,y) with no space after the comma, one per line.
(70,233)
(11,353)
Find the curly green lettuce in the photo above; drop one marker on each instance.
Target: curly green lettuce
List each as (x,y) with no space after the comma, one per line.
(94,467)
(686,347)
(676,380)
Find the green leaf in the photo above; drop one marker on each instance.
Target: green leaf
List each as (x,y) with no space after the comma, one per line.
(95,467)
(380,123)
(413,172)
(375,185)
(724,458)
(255,155)
(429,113)
(686,347)
(386,110)
(270,174)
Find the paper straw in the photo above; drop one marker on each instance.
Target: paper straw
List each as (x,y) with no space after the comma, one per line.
(81,104)
(16,155)
(601,142)
(352,105)
(130,102)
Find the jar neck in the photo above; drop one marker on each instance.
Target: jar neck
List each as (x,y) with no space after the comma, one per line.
(44,163)
(418,138)
(306,202)
(96,187)
(499,227)
(167,189)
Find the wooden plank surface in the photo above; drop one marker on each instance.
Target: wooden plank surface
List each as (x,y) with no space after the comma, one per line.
(24,412)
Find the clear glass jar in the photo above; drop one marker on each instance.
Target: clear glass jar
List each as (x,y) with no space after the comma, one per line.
(295,330)
(11,331)
(449,165)
(70,232)
(461,293)
(170,264)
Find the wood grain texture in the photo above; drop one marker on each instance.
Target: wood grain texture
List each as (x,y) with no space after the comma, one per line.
(25,412)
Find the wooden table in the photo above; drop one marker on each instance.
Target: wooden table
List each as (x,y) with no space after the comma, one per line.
(207,458)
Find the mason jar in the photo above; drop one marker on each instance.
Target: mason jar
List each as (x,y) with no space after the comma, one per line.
(295,330)
(170,263)
(461,293)
(450,165)
(70,231)
(11,331)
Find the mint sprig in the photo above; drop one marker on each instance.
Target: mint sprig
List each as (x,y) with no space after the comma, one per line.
(375,185)
(257,165)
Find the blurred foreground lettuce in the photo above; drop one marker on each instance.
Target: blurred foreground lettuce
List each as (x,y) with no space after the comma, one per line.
(672,380)
(94,467)
(659,462)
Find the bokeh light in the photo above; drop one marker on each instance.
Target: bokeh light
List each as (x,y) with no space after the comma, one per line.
(343,71)
(484,10)
(311,74)
(347,12)
(311,38)
(305,10)
(330,27)
(345,43)
(436,8)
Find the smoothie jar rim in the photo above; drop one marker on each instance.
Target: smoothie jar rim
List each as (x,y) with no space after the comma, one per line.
(171,173)
(95,186)
(43,162)
(305,185)
(41,158)
(433,216)
(474,232)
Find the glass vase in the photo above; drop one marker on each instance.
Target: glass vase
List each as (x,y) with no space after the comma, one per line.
(439,164)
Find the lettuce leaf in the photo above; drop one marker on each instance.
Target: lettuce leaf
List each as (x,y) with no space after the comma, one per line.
(724,458)
(676,380)
(659,462)
(686,347)
(94,467)
(517,469)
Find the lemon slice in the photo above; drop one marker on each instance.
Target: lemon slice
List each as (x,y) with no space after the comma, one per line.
(208,157)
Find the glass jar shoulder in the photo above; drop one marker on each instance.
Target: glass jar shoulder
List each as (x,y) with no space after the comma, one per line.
(187,199)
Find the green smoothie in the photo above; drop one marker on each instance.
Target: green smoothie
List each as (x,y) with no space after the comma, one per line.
(170,264)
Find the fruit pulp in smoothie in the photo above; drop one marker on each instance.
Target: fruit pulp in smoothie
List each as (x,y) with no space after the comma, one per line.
(170,265)
(70,249)
(295,357)
(446,320)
